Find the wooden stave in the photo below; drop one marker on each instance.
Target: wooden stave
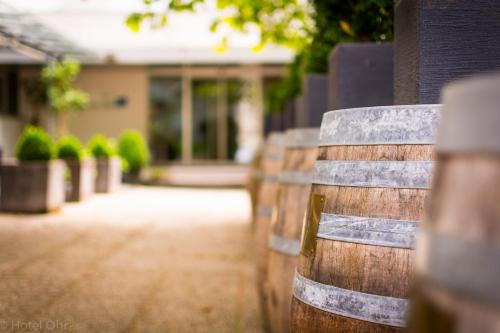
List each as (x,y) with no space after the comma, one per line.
(328,321)
(281,266)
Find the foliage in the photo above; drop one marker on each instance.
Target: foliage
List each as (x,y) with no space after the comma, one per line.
(339,21)
(36,94)
(100,147)
(34,144)
(277,94)
(69,147)
(59,77)
(133,149)
(336,21)
(35,91)
(283,22)
(312,28)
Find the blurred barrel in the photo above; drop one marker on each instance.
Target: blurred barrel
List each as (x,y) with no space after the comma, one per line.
(272,162)
(254,181)
(458,250)
(284,238)
(370,181)
(1,160)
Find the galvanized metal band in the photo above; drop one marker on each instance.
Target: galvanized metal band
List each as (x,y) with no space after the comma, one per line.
(470,116)
(265,211)
(381,125)
(302,138)
(273,156)
(348,303)
(295,177)
(392,174)
(367,230)
(277,139)
(468,267)
(270,178)
(290,247)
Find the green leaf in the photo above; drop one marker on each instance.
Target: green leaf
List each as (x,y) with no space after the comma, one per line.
(163,20)
(134,21)
(222,46)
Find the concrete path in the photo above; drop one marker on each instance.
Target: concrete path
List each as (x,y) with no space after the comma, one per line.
(141,260)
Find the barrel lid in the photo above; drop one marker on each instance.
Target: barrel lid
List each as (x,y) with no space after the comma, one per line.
(276,139)
(471,115)
(381,125)
(302,137)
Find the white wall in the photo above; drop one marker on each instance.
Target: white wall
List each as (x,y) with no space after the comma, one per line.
(104,84)
(10,128)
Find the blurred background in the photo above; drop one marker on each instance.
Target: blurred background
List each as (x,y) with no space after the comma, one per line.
(201,81)
(174,98)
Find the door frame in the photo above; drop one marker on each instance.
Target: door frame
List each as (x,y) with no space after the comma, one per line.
(221,74)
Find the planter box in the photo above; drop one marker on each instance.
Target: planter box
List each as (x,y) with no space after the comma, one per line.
(82,182)
(360,75)
(315,100)
(32,187)
(437,42)
(109,175)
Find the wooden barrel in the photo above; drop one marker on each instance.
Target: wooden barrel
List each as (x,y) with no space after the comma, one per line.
(370,181)
(284,238)
(254,181)
(458,250)
(272,162)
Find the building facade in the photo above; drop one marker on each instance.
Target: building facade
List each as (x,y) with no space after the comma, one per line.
(190,103)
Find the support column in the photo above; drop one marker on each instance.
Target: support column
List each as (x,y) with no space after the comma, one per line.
(222,125)
(259,100)
(187,116)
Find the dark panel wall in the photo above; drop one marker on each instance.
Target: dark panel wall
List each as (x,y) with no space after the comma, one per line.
(437,41)
(280,121)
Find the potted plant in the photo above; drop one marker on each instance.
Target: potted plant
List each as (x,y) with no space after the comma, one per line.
(133,150)
(109,174)
(35,182)
(81,168)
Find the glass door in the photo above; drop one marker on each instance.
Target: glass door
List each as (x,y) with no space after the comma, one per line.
(205,125)
(200,119)
(165,129)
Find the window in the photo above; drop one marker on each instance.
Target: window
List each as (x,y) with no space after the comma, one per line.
(9,87)
(165,128)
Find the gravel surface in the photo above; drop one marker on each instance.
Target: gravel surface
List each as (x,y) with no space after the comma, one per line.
(143,259)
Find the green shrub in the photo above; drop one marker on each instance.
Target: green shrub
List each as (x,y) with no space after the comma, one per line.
(133,149)
(100,147)
(70,147)
(34,144)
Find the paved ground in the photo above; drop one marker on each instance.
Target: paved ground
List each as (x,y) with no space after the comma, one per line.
(141,260)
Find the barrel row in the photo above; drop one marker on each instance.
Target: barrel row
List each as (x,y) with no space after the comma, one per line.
(363,198)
